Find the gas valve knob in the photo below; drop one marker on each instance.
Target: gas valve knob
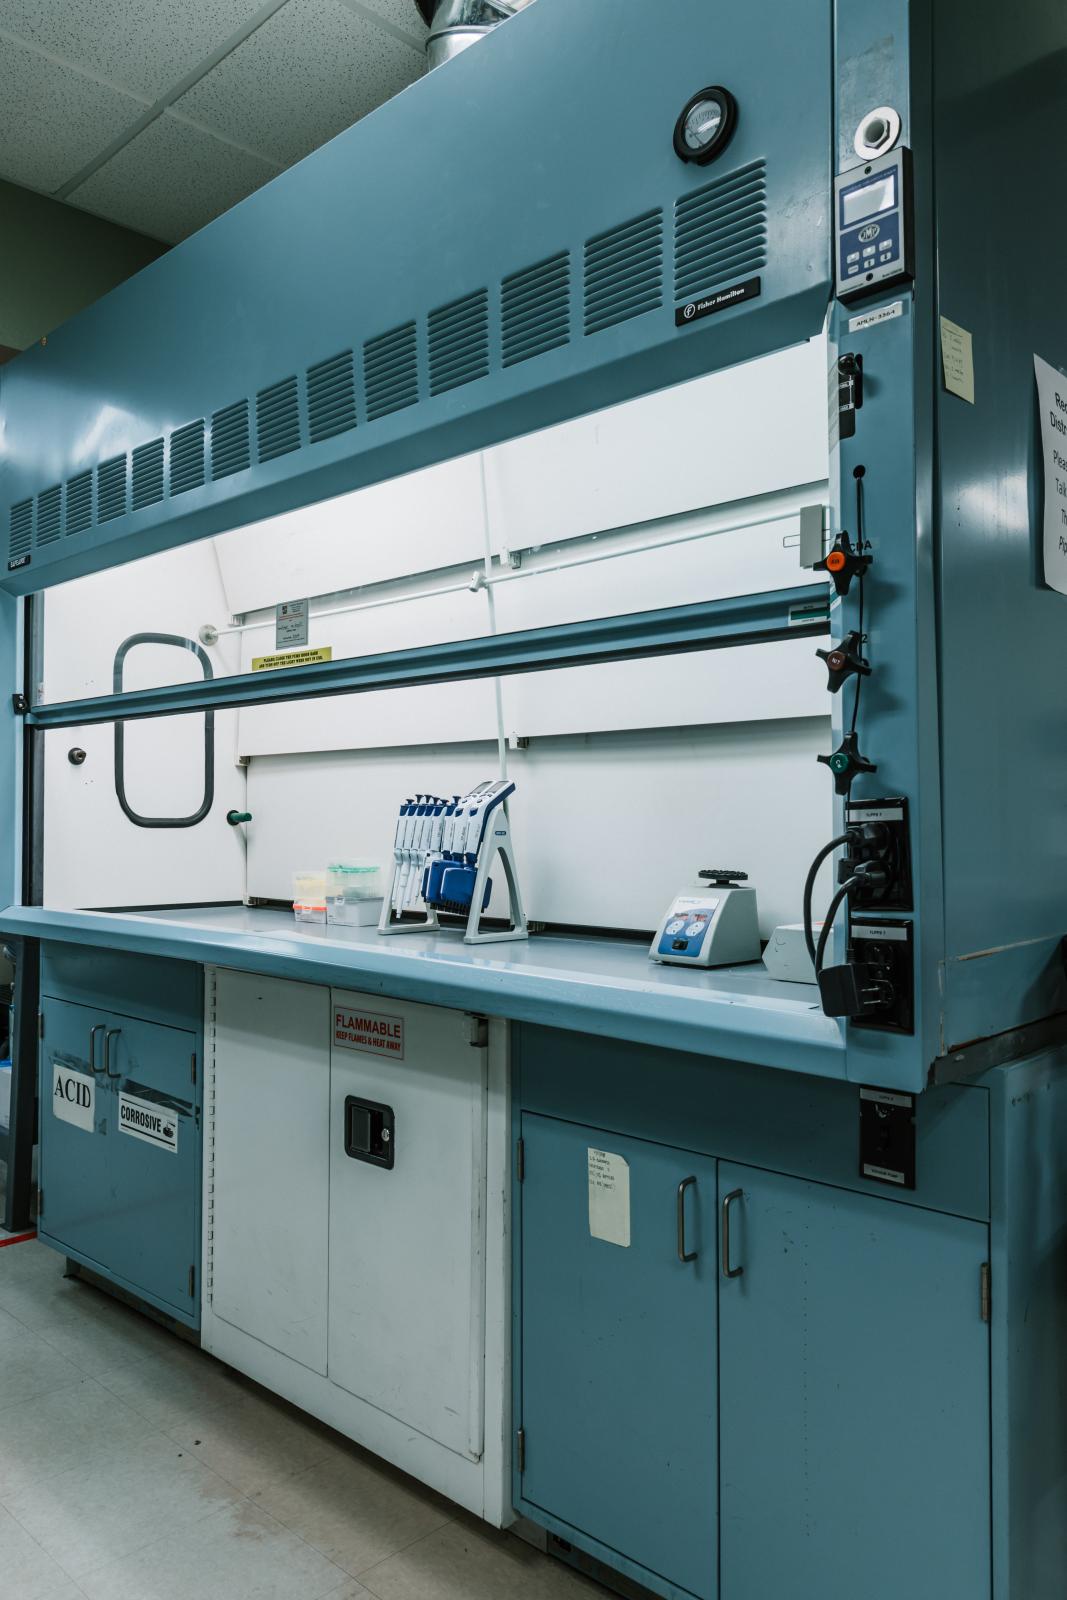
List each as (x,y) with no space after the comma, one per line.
(844,659)
(843,563)
(845,762)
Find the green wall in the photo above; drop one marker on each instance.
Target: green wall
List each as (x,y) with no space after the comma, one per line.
(54,260)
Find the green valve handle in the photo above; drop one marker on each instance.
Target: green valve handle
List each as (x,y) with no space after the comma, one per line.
(234,817)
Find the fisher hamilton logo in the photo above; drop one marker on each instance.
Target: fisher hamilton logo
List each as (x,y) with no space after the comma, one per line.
(871,231)
(721,300)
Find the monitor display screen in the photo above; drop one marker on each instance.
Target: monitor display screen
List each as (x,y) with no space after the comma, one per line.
(869,200)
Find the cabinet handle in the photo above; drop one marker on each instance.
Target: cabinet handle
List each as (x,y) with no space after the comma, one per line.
(727,1269)
(112,1033)
(100,1027)
(683,1254)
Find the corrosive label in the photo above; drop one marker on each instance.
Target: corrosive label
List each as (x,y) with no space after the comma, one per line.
(143,1120)
(369,1031)
(73,1097)
(609,1197)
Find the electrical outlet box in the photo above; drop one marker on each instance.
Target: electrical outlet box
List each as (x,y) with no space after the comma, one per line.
(884,953)
(892,814)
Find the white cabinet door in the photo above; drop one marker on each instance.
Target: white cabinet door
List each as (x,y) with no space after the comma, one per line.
(270,1204)
(407,1240)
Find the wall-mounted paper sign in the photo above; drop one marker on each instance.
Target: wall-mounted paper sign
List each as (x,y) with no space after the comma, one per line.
(1052,406)
(290,624)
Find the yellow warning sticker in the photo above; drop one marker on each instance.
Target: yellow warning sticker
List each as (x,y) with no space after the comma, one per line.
(291,658)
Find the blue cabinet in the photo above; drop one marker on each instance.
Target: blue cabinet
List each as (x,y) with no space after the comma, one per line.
(120,1150)
(619,1372)
(854,1398)
(782,1388)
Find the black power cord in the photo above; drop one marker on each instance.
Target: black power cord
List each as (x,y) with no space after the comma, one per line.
(831,912)
(809,889)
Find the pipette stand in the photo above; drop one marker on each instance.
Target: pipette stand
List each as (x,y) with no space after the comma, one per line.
(496,842)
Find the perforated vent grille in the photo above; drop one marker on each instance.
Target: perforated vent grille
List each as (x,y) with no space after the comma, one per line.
(278,419)
(20,535)
(187,458)
(111,489)
(230,446)
(331,392)
(624,272)
(459,342)
(79,502)
(391,371)
(535,309)
(147,474)
(720,231)
(49,515)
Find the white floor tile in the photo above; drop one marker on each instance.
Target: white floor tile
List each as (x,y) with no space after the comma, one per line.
(466,1562)
(254,1442)
(354,1509)
(116,1503)
(239,1553)
(177,1385)
(28,1367)
(100,1335)
(40,1293)
(51,1434)
(25,1569)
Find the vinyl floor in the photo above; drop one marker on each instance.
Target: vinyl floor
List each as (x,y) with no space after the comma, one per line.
(134,1467)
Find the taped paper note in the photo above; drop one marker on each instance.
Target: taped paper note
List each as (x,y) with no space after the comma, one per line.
(1052,406)
(609,1197)
(957,360)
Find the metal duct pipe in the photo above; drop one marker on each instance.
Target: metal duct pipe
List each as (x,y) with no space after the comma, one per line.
(455,24)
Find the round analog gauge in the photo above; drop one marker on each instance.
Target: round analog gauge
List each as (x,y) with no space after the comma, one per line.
(705,125)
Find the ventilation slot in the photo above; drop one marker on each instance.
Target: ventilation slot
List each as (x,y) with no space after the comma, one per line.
(49,515)
(231,450)
(535,308)
(391,372)
(111,489)
(331,391)
(278,419)
(624,272)
(147,474)
(79,503)
(187,458)
(20,536)
(720,232)
(459,342)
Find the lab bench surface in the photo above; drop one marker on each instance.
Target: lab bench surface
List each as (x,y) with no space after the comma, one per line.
(589,985)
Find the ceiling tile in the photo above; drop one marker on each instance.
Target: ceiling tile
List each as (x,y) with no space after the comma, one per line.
(143,47)
(402,14)
(171,180)
(312,70)
(52,119)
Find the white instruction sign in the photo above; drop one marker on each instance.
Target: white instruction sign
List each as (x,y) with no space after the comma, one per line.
(143,1119)
(609,1197)
(957,360)
(1052,407)
(290,624)
(370,1031)
(73,1097)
